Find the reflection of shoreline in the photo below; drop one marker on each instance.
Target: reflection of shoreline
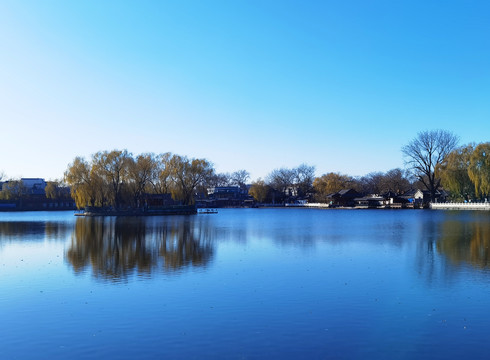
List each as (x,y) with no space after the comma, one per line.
(466,242)
(34,230)
(116,248)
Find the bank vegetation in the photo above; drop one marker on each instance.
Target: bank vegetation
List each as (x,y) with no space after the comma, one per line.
(118,179)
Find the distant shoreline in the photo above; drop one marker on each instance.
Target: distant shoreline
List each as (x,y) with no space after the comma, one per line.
(163,211)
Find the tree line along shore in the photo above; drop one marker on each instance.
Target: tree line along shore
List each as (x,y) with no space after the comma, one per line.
(118,179)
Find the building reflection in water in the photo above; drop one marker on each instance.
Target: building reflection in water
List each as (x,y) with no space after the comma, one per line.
(466,241)
(116,248)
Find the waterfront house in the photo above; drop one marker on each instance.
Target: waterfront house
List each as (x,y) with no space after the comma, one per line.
(343,198)
(226,196)
(419,197)
(372,201)
(386,200)
(414,197)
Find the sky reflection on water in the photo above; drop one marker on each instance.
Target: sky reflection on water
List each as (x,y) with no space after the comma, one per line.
(246,283)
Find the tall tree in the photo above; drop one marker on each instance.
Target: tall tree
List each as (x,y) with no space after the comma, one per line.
(424,153)
(259,190)
(240,178)
(453,172)
(82,182)
(304,176)
(113,168)
(281,179)
(189,174)
(330,183)
(141,171)
(162,180)
(479,169)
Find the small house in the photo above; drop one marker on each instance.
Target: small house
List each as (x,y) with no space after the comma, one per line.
(343,198)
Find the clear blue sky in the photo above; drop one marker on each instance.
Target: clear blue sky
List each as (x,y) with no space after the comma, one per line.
(253,85)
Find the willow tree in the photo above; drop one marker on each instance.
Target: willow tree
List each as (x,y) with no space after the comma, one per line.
(259,190)
(113,168)
(82,183)
(141,172)
(162,181)
(56,190)
(453,172)
(479,169)
(424,153)
(13,190)
(330,183)
(188,175)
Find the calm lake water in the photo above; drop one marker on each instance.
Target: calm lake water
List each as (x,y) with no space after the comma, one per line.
(246,284)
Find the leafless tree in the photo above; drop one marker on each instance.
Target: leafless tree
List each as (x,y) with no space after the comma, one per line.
(281,179)
(425,152)
(305,174)
(240,178)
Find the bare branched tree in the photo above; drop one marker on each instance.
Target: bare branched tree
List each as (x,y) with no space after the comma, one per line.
(305,174)
(425,152)
(240,178)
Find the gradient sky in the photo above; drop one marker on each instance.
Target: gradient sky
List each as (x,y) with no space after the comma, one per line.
(253,85)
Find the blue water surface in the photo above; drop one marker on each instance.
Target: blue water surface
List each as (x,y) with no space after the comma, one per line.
(246,284)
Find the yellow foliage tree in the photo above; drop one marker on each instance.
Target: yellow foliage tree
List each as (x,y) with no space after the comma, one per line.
(330,183)
(82,183)
(259,190)
(453,172)
(113,168)
(479,169)
(188,174)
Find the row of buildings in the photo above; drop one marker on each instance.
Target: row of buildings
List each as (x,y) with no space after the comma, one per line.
(414,198)
(234,196)
(34,198)
(29,194)
(225,196)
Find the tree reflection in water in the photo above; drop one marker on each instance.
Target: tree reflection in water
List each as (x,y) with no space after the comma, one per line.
(466,241)
(33,230)
(119,247)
